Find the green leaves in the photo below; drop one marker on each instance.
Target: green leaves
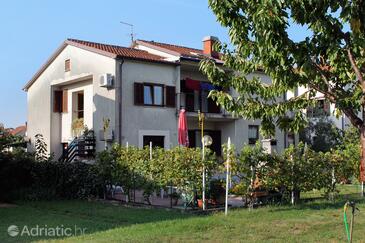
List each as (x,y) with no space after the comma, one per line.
(258,31)
(132,167)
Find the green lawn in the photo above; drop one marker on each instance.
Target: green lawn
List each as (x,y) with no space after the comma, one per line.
(316,221)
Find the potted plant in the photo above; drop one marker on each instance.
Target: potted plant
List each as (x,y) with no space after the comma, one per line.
(77,127)
(200,203)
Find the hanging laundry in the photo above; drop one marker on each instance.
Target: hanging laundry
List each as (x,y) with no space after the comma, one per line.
(219,88)
(192,84)
(206,86)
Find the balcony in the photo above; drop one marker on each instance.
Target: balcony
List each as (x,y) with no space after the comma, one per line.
(198,100)
(321,109)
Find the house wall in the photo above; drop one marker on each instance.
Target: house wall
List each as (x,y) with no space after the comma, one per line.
(341,122)
(42,119)
(67,118)
(236,129)
(146,120)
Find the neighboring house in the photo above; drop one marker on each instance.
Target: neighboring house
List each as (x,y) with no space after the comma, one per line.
(140,89)
(322,109)
(20,131)
(19,137)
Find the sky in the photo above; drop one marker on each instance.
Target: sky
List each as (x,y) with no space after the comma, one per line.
(31,30)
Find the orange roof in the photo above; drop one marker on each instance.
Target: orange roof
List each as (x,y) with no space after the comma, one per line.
(182,51)
(18,131)
(117,51)
(112,51)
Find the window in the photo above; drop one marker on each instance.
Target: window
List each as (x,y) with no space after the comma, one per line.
(147,95)
(157,95)
(321,108)
(194,100)
(157,141)
(291,139)
(154,95)
(67,65)
(195,140)
(78,105)
(253,134)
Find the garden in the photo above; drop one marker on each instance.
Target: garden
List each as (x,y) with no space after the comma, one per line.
(283,189)
(176,175)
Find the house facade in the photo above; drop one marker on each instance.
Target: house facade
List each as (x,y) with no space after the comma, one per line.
(139,89)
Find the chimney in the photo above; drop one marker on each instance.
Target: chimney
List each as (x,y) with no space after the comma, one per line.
(208,43)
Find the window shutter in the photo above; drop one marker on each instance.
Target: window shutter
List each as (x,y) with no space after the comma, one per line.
(138,94)
(57,101)
(64,100)
(170,96)
(326,107)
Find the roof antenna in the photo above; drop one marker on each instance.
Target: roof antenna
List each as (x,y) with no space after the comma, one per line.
(132,33)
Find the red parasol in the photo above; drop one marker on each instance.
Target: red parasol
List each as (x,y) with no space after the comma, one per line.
(183,138)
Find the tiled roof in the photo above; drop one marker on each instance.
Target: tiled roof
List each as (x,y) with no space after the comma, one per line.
(118,51)
(18,131)
(112,51)
(182,50)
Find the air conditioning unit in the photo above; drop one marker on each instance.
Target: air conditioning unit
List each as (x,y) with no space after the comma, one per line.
(106,80)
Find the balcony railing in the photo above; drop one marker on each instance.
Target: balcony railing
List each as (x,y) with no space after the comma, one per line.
(198,101)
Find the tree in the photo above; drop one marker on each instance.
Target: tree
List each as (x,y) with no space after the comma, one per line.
(329,61)
(249,167)
(350,149)
(321,134)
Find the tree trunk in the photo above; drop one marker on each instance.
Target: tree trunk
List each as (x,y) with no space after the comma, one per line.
(295,196)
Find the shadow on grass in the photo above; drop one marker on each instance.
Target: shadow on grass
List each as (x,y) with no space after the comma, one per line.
(77,215)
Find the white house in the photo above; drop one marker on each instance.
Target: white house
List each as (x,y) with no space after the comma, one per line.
(140,89)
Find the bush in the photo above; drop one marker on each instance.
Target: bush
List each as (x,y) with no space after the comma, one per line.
(180,167)
(15,174)
(298,169)
(21,177)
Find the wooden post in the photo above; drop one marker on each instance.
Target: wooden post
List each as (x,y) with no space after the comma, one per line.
(201,124)
(227,176)
(150,150)
(203,192)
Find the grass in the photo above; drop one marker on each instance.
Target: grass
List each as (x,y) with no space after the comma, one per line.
(314,221)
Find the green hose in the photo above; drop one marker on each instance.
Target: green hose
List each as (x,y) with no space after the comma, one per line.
(345,221)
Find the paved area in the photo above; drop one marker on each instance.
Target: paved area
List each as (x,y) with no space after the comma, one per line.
(165,201)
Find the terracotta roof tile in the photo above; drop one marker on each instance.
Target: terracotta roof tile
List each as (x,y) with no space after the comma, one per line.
(183,51)
(119,51)
(18,131)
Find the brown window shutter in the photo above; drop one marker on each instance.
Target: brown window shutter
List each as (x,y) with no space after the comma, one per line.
(138,94)
(170,96)
(64,100)
(57,101)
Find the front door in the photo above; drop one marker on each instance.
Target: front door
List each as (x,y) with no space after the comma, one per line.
(195,140)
